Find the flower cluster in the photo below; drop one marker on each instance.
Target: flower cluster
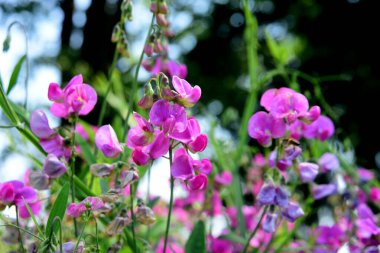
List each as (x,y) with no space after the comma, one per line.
(88,204)
(16,193)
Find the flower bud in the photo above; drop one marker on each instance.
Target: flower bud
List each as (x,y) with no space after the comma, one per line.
(117,226)
(148,49)
(128,177)
(144,214)
(106,140)
(102,169)
(111,196)
(292,212)
(53,167)
(269,224)
(163,7)
(116,33)
(39,180)
(291,152)
(161,20)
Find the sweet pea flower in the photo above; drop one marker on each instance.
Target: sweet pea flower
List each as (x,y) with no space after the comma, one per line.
(88,204)
(192,136)
(188,95)
(53,167)
(365,175)
(366,222)
(269,96)
(292,212)
(269,224)
(289,106)
(323,190)
(77,97)
(328,162)
(273,195)
(322,129)
(224,178)
(296,129)
(170,117)
(50,141)
(15,193)
(308,171)
(263,127)
(374,194)
(106,140)
(141,134)
(69,247)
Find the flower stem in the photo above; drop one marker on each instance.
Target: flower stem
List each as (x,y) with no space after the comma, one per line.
(133,219)
(72,166)
(82,232)
(255,230)
(22,249)
(170,201)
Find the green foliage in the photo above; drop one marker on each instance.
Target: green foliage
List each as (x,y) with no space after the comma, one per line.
(58,209)
(15,74)
(197,239)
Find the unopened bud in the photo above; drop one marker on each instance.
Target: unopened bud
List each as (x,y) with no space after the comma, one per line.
(144,214)
(53,167)
(117,226)
(163,8)
(102,169)
(111,196)
(116,33)
(161,20)
(39,180)
(6,43)
(128,177)
(269,224)
(148,49)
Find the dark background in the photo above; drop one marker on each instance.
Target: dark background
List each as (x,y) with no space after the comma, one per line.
(341,38)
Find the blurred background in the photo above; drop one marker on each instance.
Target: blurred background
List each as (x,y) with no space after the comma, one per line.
(332,39)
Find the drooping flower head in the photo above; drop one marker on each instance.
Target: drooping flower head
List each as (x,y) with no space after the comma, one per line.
(106,140)
(188,95)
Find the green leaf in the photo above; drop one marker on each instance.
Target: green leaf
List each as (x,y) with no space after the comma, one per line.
(15,74)
(233,238)
(58,209)
(197,239)
(33,218)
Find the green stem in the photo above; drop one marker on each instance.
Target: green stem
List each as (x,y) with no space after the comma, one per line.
(72,166)
(255,230)
(24,230)
(135,82)
(170,201)
(133,218)
(81,233)
(22,249)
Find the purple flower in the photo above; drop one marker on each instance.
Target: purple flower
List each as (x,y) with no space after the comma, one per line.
(330,236)
(171,117)
(273,195)
(292,212)
(321,129)
(106,140)
(263,127)
(365,175)
(323,190)
(76,97)
(140,135)
(328,162)
(188,95)
(312,115)
(198,182)
(68,247)
(53,167)
(269,224)
(308,171)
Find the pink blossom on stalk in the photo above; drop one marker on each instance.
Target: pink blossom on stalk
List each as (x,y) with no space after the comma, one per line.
(77,97)
(192,136)
(106,140)
(188,95)
(328,162)
(308,171)
(175,69)
(224,178)
(268,97)
(365,175)
(263,127)
(374,194)
(198,182)
(88,204)
(171,117)
(321,129)
(289,106)
(40,125)
(312,115)
(141,134)
(15,193)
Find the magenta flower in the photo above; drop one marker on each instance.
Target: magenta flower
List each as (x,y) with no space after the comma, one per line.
(198,182)
(374,194)
(365,175)
(188,95)
(366,222)
(331,236)
(263,127)
(140,135)
(88,204)
(321,129)
(50,141)
(296,129)
(15,193)
(53,167)
(106,140)
(224,178)
(76,97)
(328,162)
(268,97)
(171,117)
(192,136)
(308,171)
(176,69)
(323,190)
(312,115)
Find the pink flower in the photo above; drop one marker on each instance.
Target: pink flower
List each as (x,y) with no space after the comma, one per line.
(192,136)
(171,248)
(171,117)
(106,140)
(88,204)
(15,193)
(321,129)
(224,178)
(328,162)
(76,97)
(176,69)
(374,194)
(263,127)
(188,95)
(140,135)
(365,175)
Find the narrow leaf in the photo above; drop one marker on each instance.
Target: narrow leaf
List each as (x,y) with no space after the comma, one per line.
(85,149)
(58,209)
(197,239)
(15,74)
